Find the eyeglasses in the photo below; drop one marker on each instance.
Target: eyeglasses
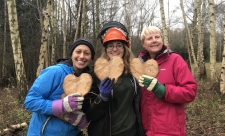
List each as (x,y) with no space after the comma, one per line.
(118,46)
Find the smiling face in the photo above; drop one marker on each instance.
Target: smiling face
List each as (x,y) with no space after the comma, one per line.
(153,43)
(81,57)
(115,48)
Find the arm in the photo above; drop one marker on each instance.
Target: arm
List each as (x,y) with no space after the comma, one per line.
(184,88)
(44,95)
(44,90)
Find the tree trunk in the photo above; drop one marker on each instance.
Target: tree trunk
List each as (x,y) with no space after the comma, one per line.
(94,22)
(163,20)
(44,38)
(127,18)
(201,70)
(78,20)
(64,29)
(4,43)
(212,40)
(54,29)
(83,20)
(222,76)
(98,51)
(39,7)
(188,34)
(17,51)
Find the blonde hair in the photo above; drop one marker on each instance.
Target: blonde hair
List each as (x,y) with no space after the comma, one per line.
(149,30)
(127,57)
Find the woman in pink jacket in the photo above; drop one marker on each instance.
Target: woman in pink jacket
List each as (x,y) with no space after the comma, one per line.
(164,97)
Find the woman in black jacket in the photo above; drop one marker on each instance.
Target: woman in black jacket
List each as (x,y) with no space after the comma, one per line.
(113,109)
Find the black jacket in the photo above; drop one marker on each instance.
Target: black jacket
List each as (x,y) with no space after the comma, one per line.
(98,111)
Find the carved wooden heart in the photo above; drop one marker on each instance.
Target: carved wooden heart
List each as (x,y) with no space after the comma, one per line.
(74,84)
(138,68)
(112,69)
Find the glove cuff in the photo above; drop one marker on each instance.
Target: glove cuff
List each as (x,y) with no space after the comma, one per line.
(159,90)
(83,122)
(104,98)
(57,107)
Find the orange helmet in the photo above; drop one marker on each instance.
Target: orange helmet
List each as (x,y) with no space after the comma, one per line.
(115,34)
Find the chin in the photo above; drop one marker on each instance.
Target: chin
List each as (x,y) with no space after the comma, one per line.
(81,67)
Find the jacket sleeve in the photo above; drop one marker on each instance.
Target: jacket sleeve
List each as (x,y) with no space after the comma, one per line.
(185,87)
(93,106)
(43,91)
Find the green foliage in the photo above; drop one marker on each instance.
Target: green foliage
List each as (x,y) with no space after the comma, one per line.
(7,90)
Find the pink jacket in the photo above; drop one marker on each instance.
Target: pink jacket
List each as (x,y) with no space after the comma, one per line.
(166,116)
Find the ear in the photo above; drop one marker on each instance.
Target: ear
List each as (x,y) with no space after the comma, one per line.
(143,45)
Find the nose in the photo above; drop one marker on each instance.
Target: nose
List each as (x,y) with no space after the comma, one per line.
(115,48)
(82,55)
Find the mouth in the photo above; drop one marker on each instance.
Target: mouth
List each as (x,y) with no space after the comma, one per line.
(113,55)
(154,45)
(81,62)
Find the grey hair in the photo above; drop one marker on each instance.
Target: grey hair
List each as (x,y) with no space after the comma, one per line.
(149,30)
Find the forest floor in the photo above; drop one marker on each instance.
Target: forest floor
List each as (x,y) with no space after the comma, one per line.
(205,115)
(12,112)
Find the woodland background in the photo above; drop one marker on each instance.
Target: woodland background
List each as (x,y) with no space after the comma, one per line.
(35,33)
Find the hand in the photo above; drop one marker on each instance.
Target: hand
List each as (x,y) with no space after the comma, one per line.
(68,104)
(76,118)
(105,88)
(152,84)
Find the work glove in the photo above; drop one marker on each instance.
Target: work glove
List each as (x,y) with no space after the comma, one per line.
(68,104)
(76,118)
(152,84)
(105,88)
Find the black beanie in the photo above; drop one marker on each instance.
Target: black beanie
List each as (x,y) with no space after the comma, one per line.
(84,41)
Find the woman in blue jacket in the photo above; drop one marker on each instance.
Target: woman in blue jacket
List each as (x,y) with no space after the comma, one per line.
(43,98)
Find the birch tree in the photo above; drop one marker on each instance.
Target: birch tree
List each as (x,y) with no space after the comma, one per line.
(44,38)
(163,20)
(127,18)
(83,20)
(201,70)
(188,34)
(78,20)
(97,26)
(64,29)
(4,43)
(39,7)
(17,51)
(212,40)
(222,76)
(54,29)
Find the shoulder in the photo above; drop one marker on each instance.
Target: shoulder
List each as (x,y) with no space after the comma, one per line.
(58,68)
(177,57)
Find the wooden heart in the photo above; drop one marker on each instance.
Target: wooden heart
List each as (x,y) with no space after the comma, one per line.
(112,69)
(73,84)
(138,68)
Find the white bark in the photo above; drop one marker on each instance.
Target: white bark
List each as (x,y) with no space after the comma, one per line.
(16,46)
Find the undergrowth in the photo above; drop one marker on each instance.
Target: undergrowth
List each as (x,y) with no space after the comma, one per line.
(205,115)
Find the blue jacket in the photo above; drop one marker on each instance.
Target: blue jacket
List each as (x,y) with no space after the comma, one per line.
(46,88)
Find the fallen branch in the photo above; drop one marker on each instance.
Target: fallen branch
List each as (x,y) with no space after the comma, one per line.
(13,128)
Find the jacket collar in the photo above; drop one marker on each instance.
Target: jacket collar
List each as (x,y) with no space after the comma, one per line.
(164,52)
